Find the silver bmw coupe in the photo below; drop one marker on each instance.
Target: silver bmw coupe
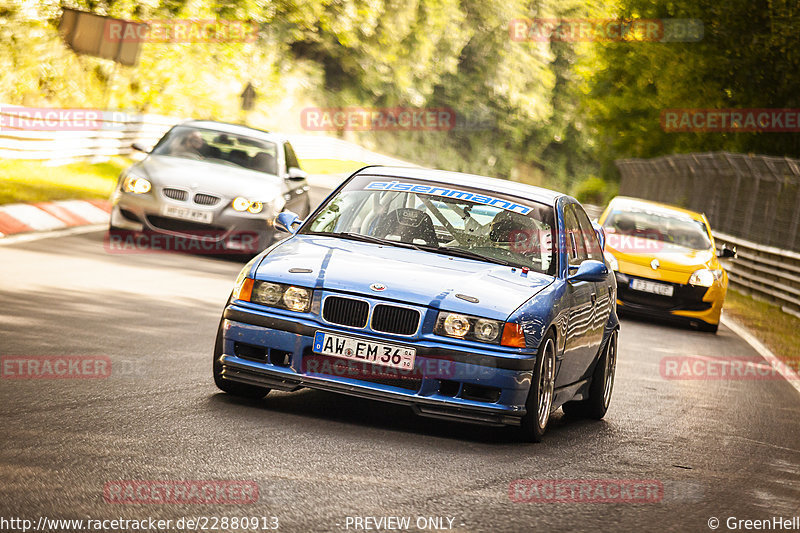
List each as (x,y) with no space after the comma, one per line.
(212,182)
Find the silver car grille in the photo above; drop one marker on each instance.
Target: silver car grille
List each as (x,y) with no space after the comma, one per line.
(175,194)
(206,199)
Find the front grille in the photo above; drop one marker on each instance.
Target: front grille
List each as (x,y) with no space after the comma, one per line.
(393,319)
(175,194)
(684,297)
(194,229)
(345,311)
(206,199)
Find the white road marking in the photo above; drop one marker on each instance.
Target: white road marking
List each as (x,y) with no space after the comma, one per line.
(32,216)
(784,370)
(27,237)
(85,210)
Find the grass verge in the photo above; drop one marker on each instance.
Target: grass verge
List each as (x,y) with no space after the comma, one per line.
(776,329)
(34,181)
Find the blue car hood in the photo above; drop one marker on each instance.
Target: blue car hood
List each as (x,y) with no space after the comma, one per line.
(411,276)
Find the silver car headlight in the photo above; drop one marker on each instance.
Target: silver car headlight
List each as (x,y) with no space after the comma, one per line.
(136,184)
(242,204)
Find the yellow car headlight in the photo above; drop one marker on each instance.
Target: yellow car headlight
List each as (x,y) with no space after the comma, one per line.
(704,277)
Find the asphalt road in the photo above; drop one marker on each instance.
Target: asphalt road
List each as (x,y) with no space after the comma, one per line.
(719,448)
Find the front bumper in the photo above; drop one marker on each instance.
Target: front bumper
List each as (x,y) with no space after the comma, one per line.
(231,229)
(266,348)
(687,304)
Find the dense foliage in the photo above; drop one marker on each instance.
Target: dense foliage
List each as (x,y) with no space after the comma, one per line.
(556,113)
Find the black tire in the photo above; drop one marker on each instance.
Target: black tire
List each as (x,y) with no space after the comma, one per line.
(601,387)
(539,404)
(231,387)
(710,328)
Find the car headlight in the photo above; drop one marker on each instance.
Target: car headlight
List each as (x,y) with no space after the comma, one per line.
(241,204)
(279,295)
(297,299)
(479,329)
(136,184)
(612,261)
(704,277)
(266,293)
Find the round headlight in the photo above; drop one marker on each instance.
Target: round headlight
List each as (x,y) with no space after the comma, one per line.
(702,278)
(266,293)
(297,298)
(241,204)
(456,325)
(256,207)
(137,185)
(486,330)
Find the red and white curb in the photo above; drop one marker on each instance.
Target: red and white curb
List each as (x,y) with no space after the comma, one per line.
(49,216)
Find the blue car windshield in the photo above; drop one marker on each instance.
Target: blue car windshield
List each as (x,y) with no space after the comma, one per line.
(441,218)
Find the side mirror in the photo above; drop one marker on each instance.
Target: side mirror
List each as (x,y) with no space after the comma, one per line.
(287,222)
(590,270)
(727,253)
(139,148)
(297,174)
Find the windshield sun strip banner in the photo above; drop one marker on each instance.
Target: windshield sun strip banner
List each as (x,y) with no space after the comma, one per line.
(437,190)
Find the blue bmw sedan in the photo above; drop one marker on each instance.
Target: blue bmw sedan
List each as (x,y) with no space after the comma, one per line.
(464,297)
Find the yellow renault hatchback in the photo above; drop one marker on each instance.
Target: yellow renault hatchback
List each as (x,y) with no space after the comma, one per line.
(665,262)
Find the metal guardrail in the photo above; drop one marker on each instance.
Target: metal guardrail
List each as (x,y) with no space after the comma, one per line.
(752,202)
(752,197)
(31,137)
(766,272)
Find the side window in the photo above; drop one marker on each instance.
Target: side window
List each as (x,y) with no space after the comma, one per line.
(291,158)
(590,239)
(576,251)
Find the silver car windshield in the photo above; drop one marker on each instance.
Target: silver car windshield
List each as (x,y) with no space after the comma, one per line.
(457,221)
(220,148)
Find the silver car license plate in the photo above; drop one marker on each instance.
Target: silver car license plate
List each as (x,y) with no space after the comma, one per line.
(195,215)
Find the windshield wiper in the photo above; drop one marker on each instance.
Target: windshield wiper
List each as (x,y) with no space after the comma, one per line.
(374,240)
(458,252)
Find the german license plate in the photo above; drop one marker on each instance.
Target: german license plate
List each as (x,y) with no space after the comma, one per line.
(651,287)
(184,213)
(390,355)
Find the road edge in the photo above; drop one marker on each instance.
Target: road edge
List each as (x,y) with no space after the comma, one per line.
(37,217)
(779,366)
